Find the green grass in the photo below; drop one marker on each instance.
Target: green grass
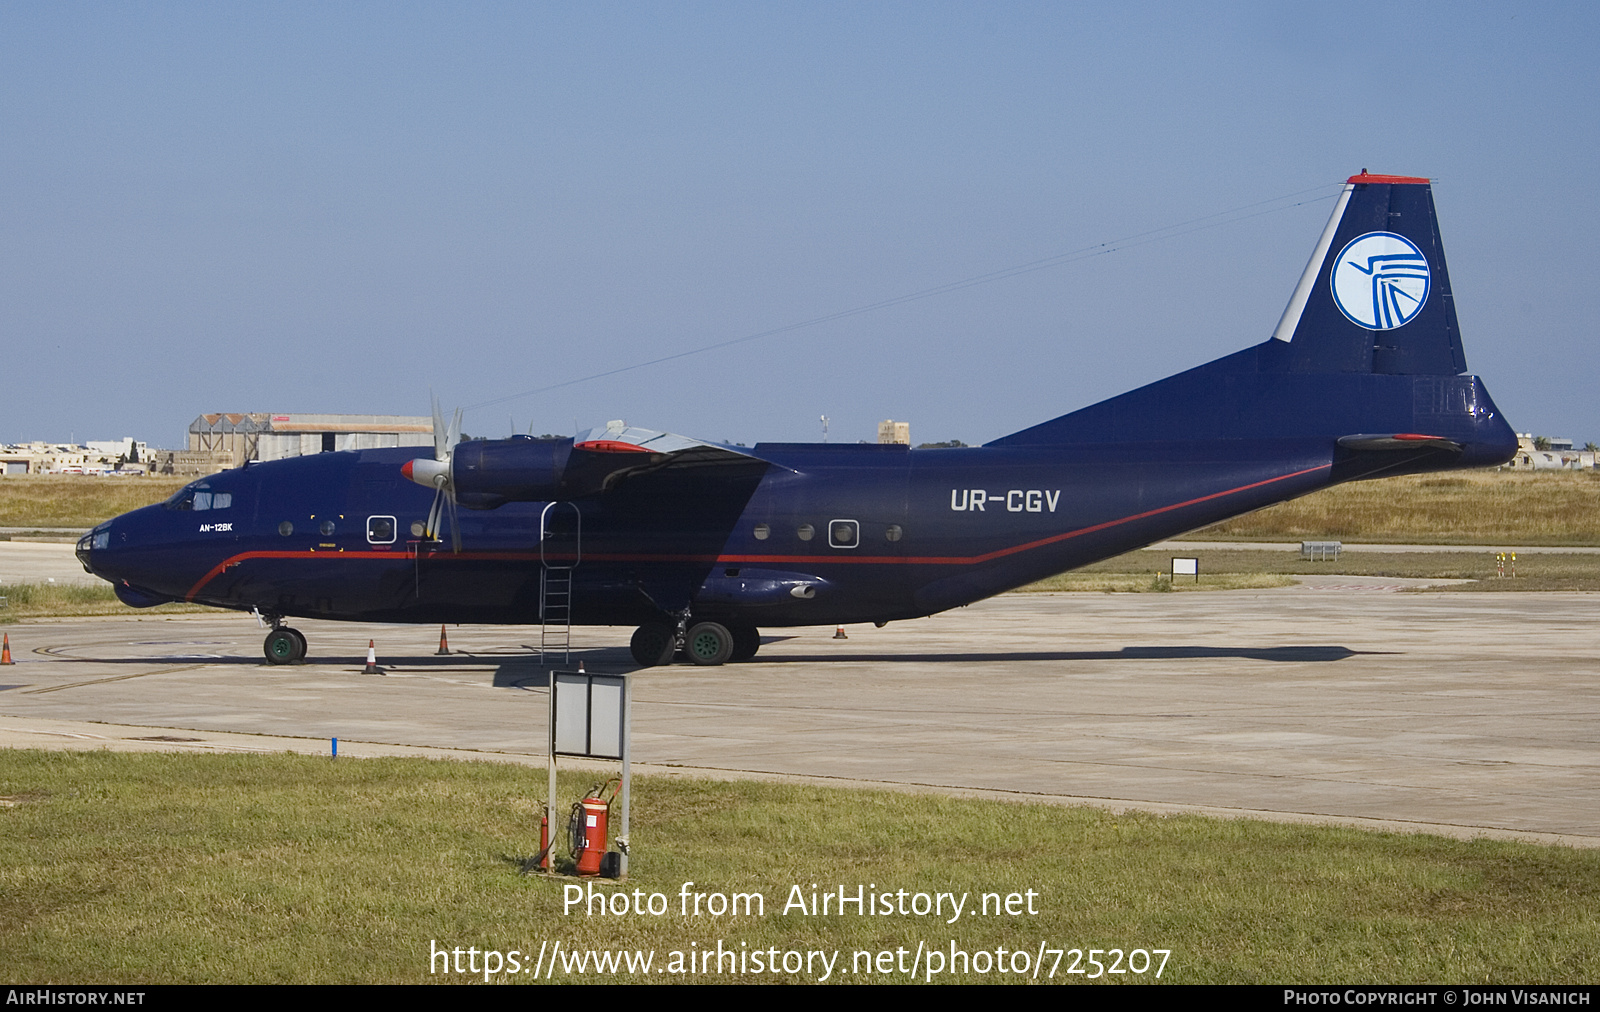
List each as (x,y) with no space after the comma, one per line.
(64,600)
(1238,569)
(281,868)
(1116,581)
(1469,507)
(77,500)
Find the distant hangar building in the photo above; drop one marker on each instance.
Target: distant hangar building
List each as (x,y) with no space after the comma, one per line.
(218,441)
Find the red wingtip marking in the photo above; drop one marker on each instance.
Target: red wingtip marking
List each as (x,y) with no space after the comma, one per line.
(1414,435)
(1368,177)
(609,446)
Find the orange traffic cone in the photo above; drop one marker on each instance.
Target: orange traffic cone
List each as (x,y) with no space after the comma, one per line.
(5,649)
(839,634)
(444,645)
(372,659)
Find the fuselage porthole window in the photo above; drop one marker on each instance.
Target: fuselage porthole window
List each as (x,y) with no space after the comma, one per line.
(844,534)
(894,532)
(286,528)
(763,532)
(380,530)
(805,532)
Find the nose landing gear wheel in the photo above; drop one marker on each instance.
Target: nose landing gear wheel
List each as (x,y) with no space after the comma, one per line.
(708,643)
(284,646)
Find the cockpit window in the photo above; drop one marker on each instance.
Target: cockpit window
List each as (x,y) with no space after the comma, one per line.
(199,497)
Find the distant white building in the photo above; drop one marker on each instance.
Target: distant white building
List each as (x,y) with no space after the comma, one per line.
(1559,457)
(890,431)
(95,457)
(126,448)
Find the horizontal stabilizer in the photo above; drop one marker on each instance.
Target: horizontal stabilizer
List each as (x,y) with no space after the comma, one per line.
(1399,441)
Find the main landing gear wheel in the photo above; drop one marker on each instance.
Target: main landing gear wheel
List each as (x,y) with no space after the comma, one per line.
(284,646)
(708,643)
(653,644)
(746,641)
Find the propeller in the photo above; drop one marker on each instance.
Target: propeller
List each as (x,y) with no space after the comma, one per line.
(435,474)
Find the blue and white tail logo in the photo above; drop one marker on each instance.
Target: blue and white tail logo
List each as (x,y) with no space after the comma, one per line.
(1380,281)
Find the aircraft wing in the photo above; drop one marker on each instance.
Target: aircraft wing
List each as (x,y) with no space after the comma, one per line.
(620,451)
(619,437)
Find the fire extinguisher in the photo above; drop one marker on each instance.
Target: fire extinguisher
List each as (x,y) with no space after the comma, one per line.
(586,829)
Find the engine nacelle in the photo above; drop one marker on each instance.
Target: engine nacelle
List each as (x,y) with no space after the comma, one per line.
(487,473)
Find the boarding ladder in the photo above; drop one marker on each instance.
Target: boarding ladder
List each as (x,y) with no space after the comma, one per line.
(560,528)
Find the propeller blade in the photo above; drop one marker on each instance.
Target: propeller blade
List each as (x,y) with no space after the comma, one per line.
(441,446)
(436,472)
(432,532)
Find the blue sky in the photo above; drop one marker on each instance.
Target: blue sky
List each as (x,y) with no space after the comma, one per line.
(314,207)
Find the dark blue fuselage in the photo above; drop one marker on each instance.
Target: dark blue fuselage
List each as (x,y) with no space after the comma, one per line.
(804,533)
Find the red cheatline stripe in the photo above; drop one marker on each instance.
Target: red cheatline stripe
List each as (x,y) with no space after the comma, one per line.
(911,560)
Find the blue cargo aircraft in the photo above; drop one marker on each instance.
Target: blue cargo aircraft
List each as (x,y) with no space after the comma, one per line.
(701,544)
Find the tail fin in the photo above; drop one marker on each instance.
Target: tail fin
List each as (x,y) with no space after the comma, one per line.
(1367,357)
(1375,297)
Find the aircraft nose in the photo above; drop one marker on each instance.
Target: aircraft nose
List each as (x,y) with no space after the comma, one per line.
(98,539)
